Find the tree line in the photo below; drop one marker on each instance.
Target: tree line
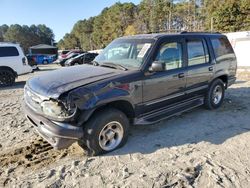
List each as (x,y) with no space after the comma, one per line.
(26,36)
(158,16)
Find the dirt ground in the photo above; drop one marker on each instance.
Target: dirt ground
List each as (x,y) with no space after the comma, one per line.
(199,148)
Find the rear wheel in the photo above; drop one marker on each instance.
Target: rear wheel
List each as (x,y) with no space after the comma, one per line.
(215,95)
(7,78)
(106,131)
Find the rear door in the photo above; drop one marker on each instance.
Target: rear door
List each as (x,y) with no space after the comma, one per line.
(199,67)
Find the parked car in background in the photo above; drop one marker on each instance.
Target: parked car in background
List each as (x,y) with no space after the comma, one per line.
(12,63)
(72,51)
(42,59)
(81,59)
(135,80)
(62,53)
(62,61)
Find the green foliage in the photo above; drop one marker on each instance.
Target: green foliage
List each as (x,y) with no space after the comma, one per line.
(157,16)
(3,30)
(25,35)
(228,15)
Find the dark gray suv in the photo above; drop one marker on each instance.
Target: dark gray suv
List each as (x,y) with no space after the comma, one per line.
(139,79)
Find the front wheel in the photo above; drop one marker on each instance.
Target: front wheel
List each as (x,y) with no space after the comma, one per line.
(215,95)
(106,131)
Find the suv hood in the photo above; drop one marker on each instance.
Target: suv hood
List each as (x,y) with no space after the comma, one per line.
(54,83)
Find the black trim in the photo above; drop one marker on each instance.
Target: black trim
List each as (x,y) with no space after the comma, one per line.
(176,95)
(169,111)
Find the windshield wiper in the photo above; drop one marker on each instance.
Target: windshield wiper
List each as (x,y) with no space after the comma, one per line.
(113,65)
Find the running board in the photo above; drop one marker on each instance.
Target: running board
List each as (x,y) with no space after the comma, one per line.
(169,111)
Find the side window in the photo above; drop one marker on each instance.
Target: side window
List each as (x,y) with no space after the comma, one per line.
(8,51)
(171,54)
(222,49)
(197,52)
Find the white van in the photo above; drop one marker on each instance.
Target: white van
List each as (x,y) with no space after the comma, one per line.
(12,63)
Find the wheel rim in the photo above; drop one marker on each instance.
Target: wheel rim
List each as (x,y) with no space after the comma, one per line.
(217,94)
(111,136)
(5,78)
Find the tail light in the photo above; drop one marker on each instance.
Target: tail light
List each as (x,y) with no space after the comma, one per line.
(25,61)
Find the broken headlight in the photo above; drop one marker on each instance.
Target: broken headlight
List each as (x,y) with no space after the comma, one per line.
(56,109)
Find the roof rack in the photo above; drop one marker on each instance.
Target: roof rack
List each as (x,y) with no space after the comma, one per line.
(164,31)
(177,31)
(193,32)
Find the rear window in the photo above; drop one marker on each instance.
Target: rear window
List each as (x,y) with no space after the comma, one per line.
(222,48)
(8,51)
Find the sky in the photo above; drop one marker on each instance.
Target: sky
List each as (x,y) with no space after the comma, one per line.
(59,15)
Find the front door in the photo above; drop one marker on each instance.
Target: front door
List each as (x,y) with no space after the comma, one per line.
(163,88)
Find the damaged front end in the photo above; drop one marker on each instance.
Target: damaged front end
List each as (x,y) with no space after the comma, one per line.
(56,109)
(53,109)
(52,118)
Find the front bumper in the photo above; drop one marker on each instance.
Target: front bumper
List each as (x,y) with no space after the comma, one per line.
(59,135)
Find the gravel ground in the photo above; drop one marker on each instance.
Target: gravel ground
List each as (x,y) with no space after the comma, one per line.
(200,148)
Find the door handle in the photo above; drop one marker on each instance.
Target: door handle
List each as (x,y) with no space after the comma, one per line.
(210,68)
(181,75)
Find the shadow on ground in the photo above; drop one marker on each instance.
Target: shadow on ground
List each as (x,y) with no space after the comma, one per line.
(16,85)
(195,126)
(45,69)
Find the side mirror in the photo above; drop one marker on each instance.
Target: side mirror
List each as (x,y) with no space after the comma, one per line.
(158,66)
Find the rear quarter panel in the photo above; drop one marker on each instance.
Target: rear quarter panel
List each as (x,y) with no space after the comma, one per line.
(225,64)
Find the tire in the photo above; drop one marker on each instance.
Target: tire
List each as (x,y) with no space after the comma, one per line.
(7,77)
(106,131)
(45,62)
(62,64)
(215,95)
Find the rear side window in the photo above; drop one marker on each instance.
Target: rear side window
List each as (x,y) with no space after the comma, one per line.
(8,51)
(197,52)
(222,48)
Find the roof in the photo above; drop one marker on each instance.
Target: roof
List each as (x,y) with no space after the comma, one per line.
(159,35)
(9,44)
(43,46)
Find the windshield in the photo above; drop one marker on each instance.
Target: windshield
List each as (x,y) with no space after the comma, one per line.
(129,53)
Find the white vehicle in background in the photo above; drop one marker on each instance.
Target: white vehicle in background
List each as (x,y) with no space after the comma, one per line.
(240,42)
(12,63)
